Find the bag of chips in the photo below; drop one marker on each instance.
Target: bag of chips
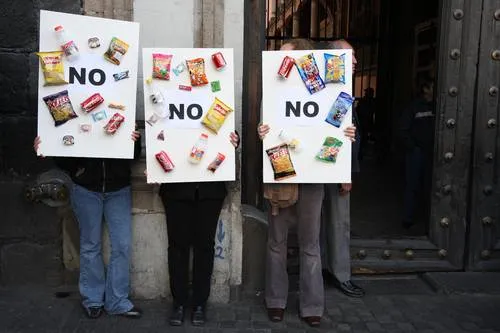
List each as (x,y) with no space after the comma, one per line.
(309,73)
(161,66)
(52,67)
(60,107)
(116,50)
(197,74)
(281,162)
(334,68)
(329,150)
(339,109)
(216,115)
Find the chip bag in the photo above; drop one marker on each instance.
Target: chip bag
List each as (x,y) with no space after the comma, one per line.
(161,66)
(309,73)
(116,50)
(60,107)
(329,150)
(334,68)
(339,109)
(197,74)
(216,115)
(281,162)
(52,67)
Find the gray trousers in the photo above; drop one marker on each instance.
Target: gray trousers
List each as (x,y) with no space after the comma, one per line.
(307,213)
(336,233)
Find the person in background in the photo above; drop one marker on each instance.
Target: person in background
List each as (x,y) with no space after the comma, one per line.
(192,212)
(366,110)
(336,218)
(306,211)
(102,189)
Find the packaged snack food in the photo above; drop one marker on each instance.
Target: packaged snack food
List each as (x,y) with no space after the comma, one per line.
(165,161)
(309,72)
(329,150)
(161,66)
(215,85)
(117,106)
(94,42)
(281,162)
(116,50)
(216,162)
(152,119)
(121,75)
(68,140)
(85,128)
(197,74)
(219,61)
(185,88)
(60,107)
(100,115)
(52,67)
(114,123)
(92,102)
(179,69)
(286,67)
(334,68)
(216,115)
(340,107)
(161,136)
(292,142)
(199,148)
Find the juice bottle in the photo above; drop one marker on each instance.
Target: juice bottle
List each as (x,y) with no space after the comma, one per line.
(199,149)
(157,99)
(67,44)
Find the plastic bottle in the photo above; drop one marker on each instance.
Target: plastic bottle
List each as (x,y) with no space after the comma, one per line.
(157,99)
(67,44)
(199,149)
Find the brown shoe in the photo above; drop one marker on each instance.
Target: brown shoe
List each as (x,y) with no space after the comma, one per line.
(312,321)
(275,314)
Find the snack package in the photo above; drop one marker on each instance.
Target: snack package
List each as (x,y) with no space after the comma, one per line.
(292,142)
(309,73)
(116,50)
(60,107)
(197,74)
(161,66)
(99,115)
(334,68)
(52,67)
(329,150)
(161,136)
(116,106)
(340,107)
(165,161)
(281,162)
(179,69)
(94,42)
(216,162)
(92,102)
(68,140)
(114,123)
(215,85)
(216,115)
(85,128)
(121,76)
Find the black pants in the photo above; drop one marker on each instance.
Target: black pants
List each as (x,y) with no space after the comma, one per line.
(191,223)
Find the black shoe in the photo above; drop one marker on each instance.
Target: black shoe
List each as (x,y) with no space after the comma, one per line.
(134,313)
(176,316)
(94,312)
(198,316)
(350,289)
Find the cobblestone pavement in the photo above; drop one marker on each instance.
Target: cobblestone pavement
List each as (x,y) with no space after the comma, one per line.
(390,306)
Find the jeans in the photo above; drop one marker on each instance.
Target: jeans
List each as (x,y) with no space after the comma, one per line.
(97,287)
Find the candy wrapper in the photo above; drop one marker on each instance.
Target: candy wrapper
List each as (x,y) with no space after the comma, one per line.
(68,140)
(197,74)
(121,76)
(215,85)
(60,107)
(179,69)
(309,73)
(100,115)
(116,50)
(334,68)
(216,115)
(114,123)
(116,106)
(92,102)
(329,150)
(281,162)
(165,161)
(161,66)
(94,42)
(340,107)
(161,136)
(216,162)
(85,128)
(52,67)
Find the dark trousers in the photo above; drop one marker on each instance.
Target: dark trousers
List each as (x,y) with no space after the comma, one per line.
(418,182)
(191,224)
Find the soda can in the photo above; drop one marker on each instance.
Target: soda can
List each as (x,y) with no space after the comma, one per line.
(286,67)
(218,60)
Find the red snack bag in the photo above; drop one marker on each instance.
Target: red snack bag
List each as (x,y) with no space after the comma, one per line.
(161,66)
(92,102)
(197,74)
(114,123)
(165,161)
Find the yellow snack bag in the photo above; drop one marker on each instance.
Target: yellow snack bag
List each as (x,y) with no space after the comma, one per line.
(216,115)
(52,67)
(281,162)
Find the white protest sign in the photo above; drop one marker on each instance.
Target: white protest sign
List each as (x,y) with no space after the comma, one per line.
(175,125)
(289,108)
(88,74)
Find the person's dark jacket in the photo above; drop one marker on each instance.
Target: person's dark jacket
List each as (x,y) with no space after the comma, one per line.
(99,174)
(355,144)
(192,191)
(417,125)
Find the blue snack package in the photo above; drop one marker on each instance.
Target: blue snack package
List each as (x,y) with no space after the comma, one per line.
(309,72)
(334,68)
(340,107)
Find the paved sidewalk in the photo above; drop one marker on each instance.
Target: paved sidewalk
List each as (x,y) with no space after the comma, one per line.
(401,305)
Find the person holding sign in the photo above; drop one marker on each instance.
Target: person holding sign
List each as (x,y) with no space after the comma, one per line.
(101,188)
(192,211)
(301,202)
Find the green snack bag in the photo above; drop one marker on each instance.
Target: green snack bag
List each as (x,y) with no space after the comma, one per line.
(329,150)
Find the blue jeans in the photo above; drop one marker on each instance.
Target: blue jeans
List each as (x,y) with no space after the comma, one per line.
(97,287)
